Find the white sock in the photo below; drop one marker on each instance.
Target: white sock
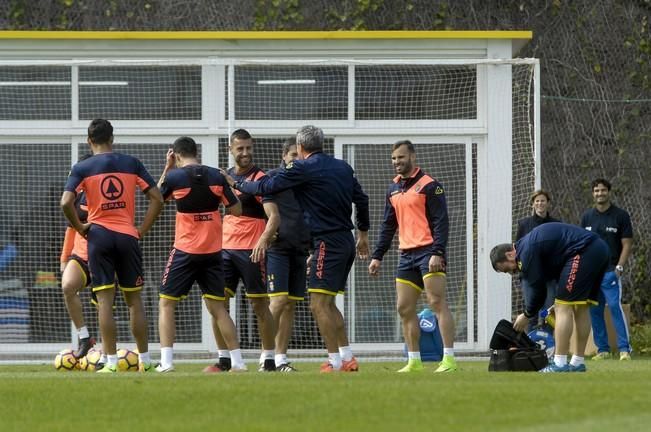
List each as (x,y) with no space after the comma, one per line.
(577,361)
(448,352)
(223,353)
(560,360)
(346,353)
(236,359)
(102,358)
(268,355)
(166,355)
(262,357)
(335,360)
(83,332)
(144,358)
(281,359)
(112,360)
(414,355)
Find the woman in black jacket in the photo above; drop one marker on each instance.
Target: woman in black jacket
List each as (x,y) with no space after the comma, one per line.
(540,202)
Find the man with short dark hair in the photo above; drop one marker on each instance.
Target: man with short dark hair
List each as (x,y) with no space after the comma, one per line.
(110,180)
(326,189)
(574,257)
(286,261)
(613,225)
(199,191)
(415,205)
(246,239)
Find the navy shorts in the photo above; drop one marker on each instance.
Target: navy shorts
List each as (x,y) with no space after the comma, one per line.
(413,267)
(238,265)
(112,254)
(286,274)
(83,266)
(183,269)
(580,279)
(332,259)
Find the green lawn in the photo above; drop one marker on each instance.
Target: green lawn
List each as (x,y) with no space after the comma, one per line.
(612,395)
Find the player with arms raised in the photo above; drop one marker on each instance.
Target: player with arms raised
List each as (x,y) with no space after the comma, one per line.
(196,255)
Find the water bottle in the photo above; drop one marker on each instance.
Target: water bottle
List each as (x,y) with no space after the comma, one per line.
(548,316)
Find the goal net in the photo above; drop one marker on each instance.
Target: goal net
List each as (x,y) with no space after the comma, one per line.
(363,107)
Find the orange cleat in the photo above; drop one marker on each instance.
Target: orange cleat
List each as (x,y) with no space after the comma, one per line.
(327,368)
(216,368)
(350,366)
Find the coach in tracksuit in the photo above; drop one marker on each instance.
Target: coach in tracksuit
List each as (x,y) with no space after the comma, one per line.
(613,224)
(326,189)
(577,259)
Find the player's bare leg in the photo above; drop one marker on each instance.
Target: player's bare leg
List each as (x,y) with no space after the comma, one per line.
(348,362)
(406,300)
(227,330)
(266,326)
(435,291)
(72,281)
(582,328)
(563,328)
(267,331)
(223,363)
(282,309)
(167,333)
(106,320)
(167,322)
(138,321)
(321,307)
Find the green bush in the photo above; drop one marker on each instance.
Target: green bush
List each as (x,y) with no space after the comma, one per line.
(641,339)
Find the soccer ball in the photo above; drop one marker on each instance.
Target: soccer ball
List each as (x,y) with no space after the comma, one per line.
(90,362)
(65,360)
(127,360)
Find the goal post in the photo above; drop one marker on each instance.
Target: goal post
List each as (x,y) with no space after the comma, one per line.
(474,123)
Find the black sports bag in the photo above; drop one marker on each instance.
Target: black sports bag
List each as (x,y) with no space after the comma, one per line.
(514,351)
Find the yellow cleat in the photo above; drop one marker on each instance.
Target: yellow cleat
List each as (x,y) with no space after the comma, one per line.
(146,367)
(602,355)
(448,364)
(412,366)
(625,356)
(108,369)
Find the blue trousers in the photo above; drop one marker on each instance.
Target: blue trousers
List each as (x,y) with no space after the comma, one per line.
(611,294)
(549,299)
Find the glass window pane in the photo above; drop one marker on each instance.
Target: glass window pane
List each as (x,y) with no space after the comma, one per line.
(140,93)
(35,93)
(415,92)
(290,93)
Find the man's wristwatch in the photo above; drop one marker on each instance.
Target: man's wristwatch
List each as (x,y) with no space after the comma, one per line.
(619,268)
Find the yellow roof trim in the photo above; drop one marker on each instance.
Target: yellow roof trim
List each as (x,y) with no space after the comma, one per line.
(262,35)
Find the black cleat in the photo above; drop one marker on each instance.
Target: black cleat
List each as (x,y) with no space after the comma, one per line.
(85,344)
(223,365)
(286,367)
(269,365)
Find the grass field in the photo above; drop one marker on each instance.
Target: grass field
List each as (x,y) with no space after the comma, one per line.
(612,395)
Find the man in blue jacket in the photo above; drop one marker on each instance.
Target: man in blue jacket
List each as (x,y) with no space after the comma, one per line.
(574,257)
(326,189)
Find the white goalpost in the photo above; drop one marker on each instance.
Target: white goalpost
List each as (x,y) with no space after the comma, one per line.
(474,123)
